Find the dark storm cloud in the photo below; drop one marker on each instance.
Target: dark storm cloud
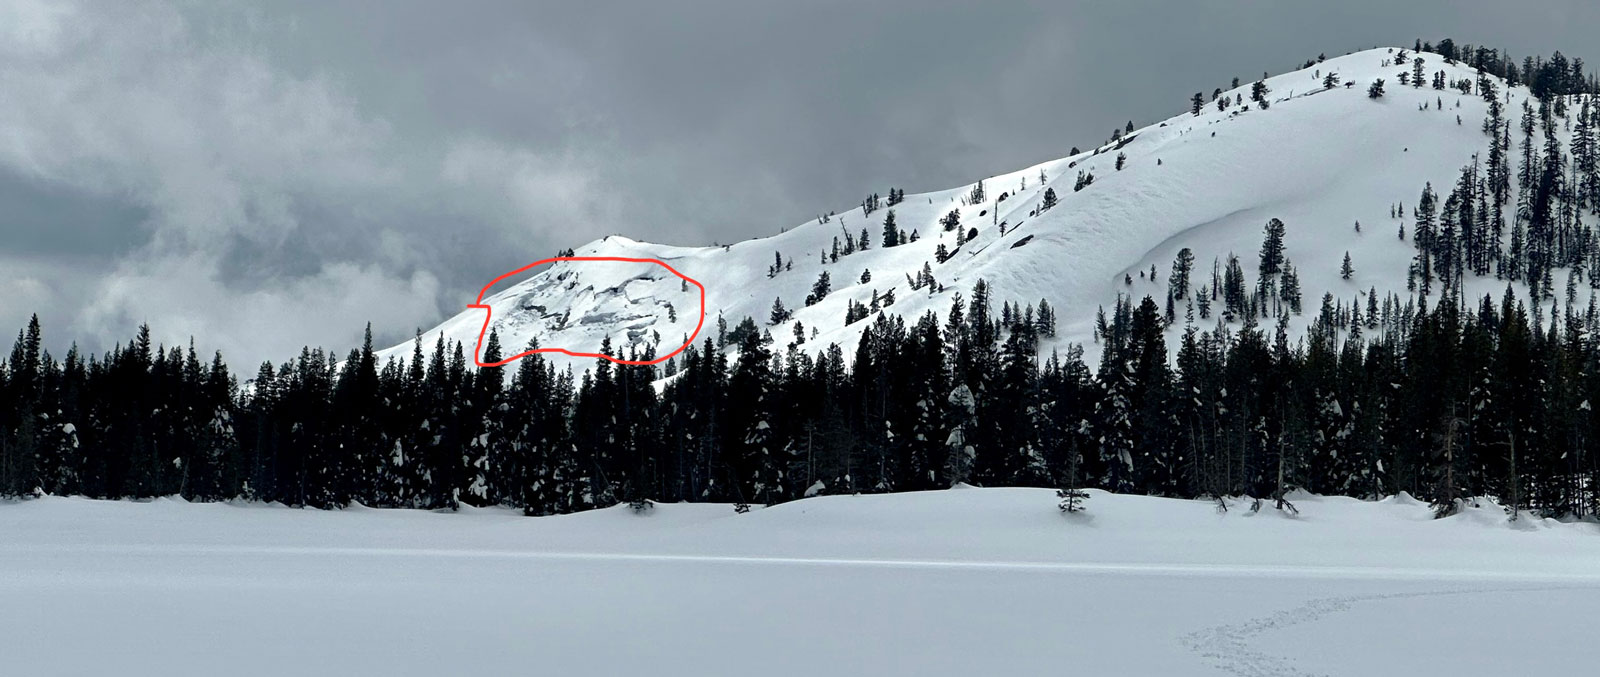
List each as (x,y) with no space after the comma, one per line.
(59,221)
(277,174)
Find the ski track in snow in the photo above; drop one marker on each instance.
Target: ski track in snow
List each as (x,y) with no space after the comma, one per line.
(1229,646)
(1120,568)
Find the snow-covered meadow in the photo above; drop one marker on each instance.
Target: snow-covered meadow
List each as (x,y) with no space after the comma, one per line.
(959,582)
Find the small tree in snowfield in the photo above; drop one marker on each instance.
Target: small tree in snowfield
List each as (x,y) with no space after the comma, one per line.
(891,232)
(819,289)
(951,221)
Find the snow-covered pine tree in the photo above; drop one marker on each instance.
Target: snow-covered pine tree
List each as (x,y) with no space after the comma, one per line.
(779,314)
(491,446)
(1271,260)
(755,475)
(960,453)
(819,289)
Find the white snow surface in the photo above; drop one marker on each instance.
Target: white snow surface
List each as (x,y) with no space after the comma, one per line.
(1320,160)
(971,582)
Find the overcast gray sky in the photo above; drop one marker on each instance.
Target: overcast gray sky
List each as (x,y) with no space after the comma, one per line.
(270,175)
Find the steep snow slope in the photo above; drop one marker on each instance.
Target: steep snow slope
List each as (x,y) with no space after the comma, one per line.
(959,582)
(1320,160)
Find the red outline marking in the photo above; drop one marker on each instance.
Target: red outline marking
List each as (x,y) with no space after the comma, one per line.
(489,313)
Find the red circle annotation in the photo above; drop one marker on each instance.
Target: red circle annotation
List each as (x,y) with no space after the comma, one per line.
(488,312)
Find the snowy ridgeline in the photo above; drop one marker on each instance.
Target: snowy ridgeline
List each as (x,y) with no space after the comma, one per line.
(1344,172)
(957,582)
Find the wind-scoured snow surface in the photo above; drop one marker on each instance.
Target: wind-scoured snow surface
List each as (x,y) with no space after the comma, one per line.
(959,582)
(1320,160)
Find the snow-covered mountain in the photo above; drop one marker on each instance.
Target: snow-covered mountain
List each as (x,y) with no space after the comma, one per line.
(1319,158)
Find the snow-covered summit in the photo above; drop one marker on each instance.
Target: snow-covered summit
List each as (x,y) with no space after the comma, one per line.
(1319,158)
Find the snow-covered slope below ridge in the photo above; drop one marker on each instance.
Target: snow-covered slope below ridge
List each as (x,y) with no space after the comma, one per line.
(1320,160)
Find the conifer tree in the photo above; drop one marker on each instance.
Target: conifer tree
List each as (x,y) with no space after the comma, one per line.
(951,221)
(1271,259)
(779,313)
(1259,92)
(819,289)
(1178,279)
(961,454)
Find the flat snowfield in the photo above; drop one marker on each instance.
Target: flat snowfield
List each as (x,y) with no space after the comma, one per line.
(961,582)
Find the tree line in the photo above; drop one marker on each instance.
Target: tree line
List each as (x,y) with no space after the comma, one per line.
(1492,397)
